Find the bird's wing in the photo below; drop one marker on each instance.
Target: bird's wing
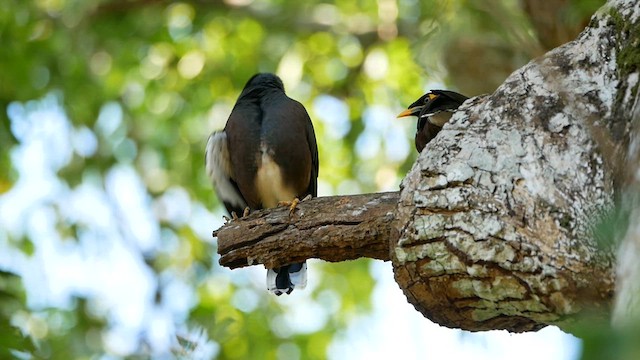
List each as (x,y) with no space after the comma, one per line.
(315,163)
(219,169)
(441,106)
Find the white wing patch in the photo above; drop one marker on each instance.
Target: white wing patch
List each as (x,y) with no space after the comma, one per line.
(218,166)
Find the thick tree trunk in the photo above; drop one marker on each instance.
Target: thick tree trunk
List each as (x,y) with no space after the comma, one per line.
(496,224)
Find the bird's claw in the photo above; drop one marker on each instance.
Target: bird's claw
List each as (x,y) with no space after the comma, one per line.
(291,204)
(234,216)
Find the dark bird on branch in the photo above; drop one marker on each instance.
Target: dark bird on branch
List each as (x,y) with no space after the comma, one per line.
(433,110)
(266,154)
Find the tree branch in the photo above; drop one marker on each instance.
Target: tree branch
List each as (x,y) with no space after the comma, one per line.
(335,228)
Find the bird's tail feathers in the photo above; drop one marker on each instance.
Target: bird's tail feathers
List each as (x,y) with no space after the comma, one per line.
(283,280)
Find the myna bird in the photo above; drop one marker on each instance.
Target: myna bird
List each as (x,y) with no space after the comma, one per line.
(266,154)
(433,110)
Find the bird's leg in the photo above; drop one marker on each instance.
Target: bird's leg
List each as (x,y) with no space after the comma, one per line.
(246,211)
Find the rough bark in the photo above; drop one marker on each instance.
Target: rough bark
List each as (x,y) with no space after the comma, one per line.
(495,225)
(335,228)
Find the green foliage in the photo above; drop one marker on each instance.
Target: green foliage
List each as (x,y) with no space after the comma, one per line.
(603,342)
(11,302)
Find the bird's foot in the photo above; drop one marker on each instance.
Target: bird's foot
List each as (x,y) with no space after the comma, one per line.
(294,203)
(233,217)
(291,204)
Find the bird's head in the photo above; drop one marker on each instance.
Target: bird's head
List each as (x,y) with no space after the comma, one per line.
(264,80)
(433,109)
(416,108)
(434,102)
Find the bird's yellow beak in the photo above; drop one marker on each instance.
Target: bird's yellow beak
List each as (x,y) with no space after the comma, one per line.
(414,111)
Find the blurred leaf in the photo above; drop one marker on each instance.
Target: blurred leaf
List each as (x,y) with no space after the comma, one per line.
(11,301)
